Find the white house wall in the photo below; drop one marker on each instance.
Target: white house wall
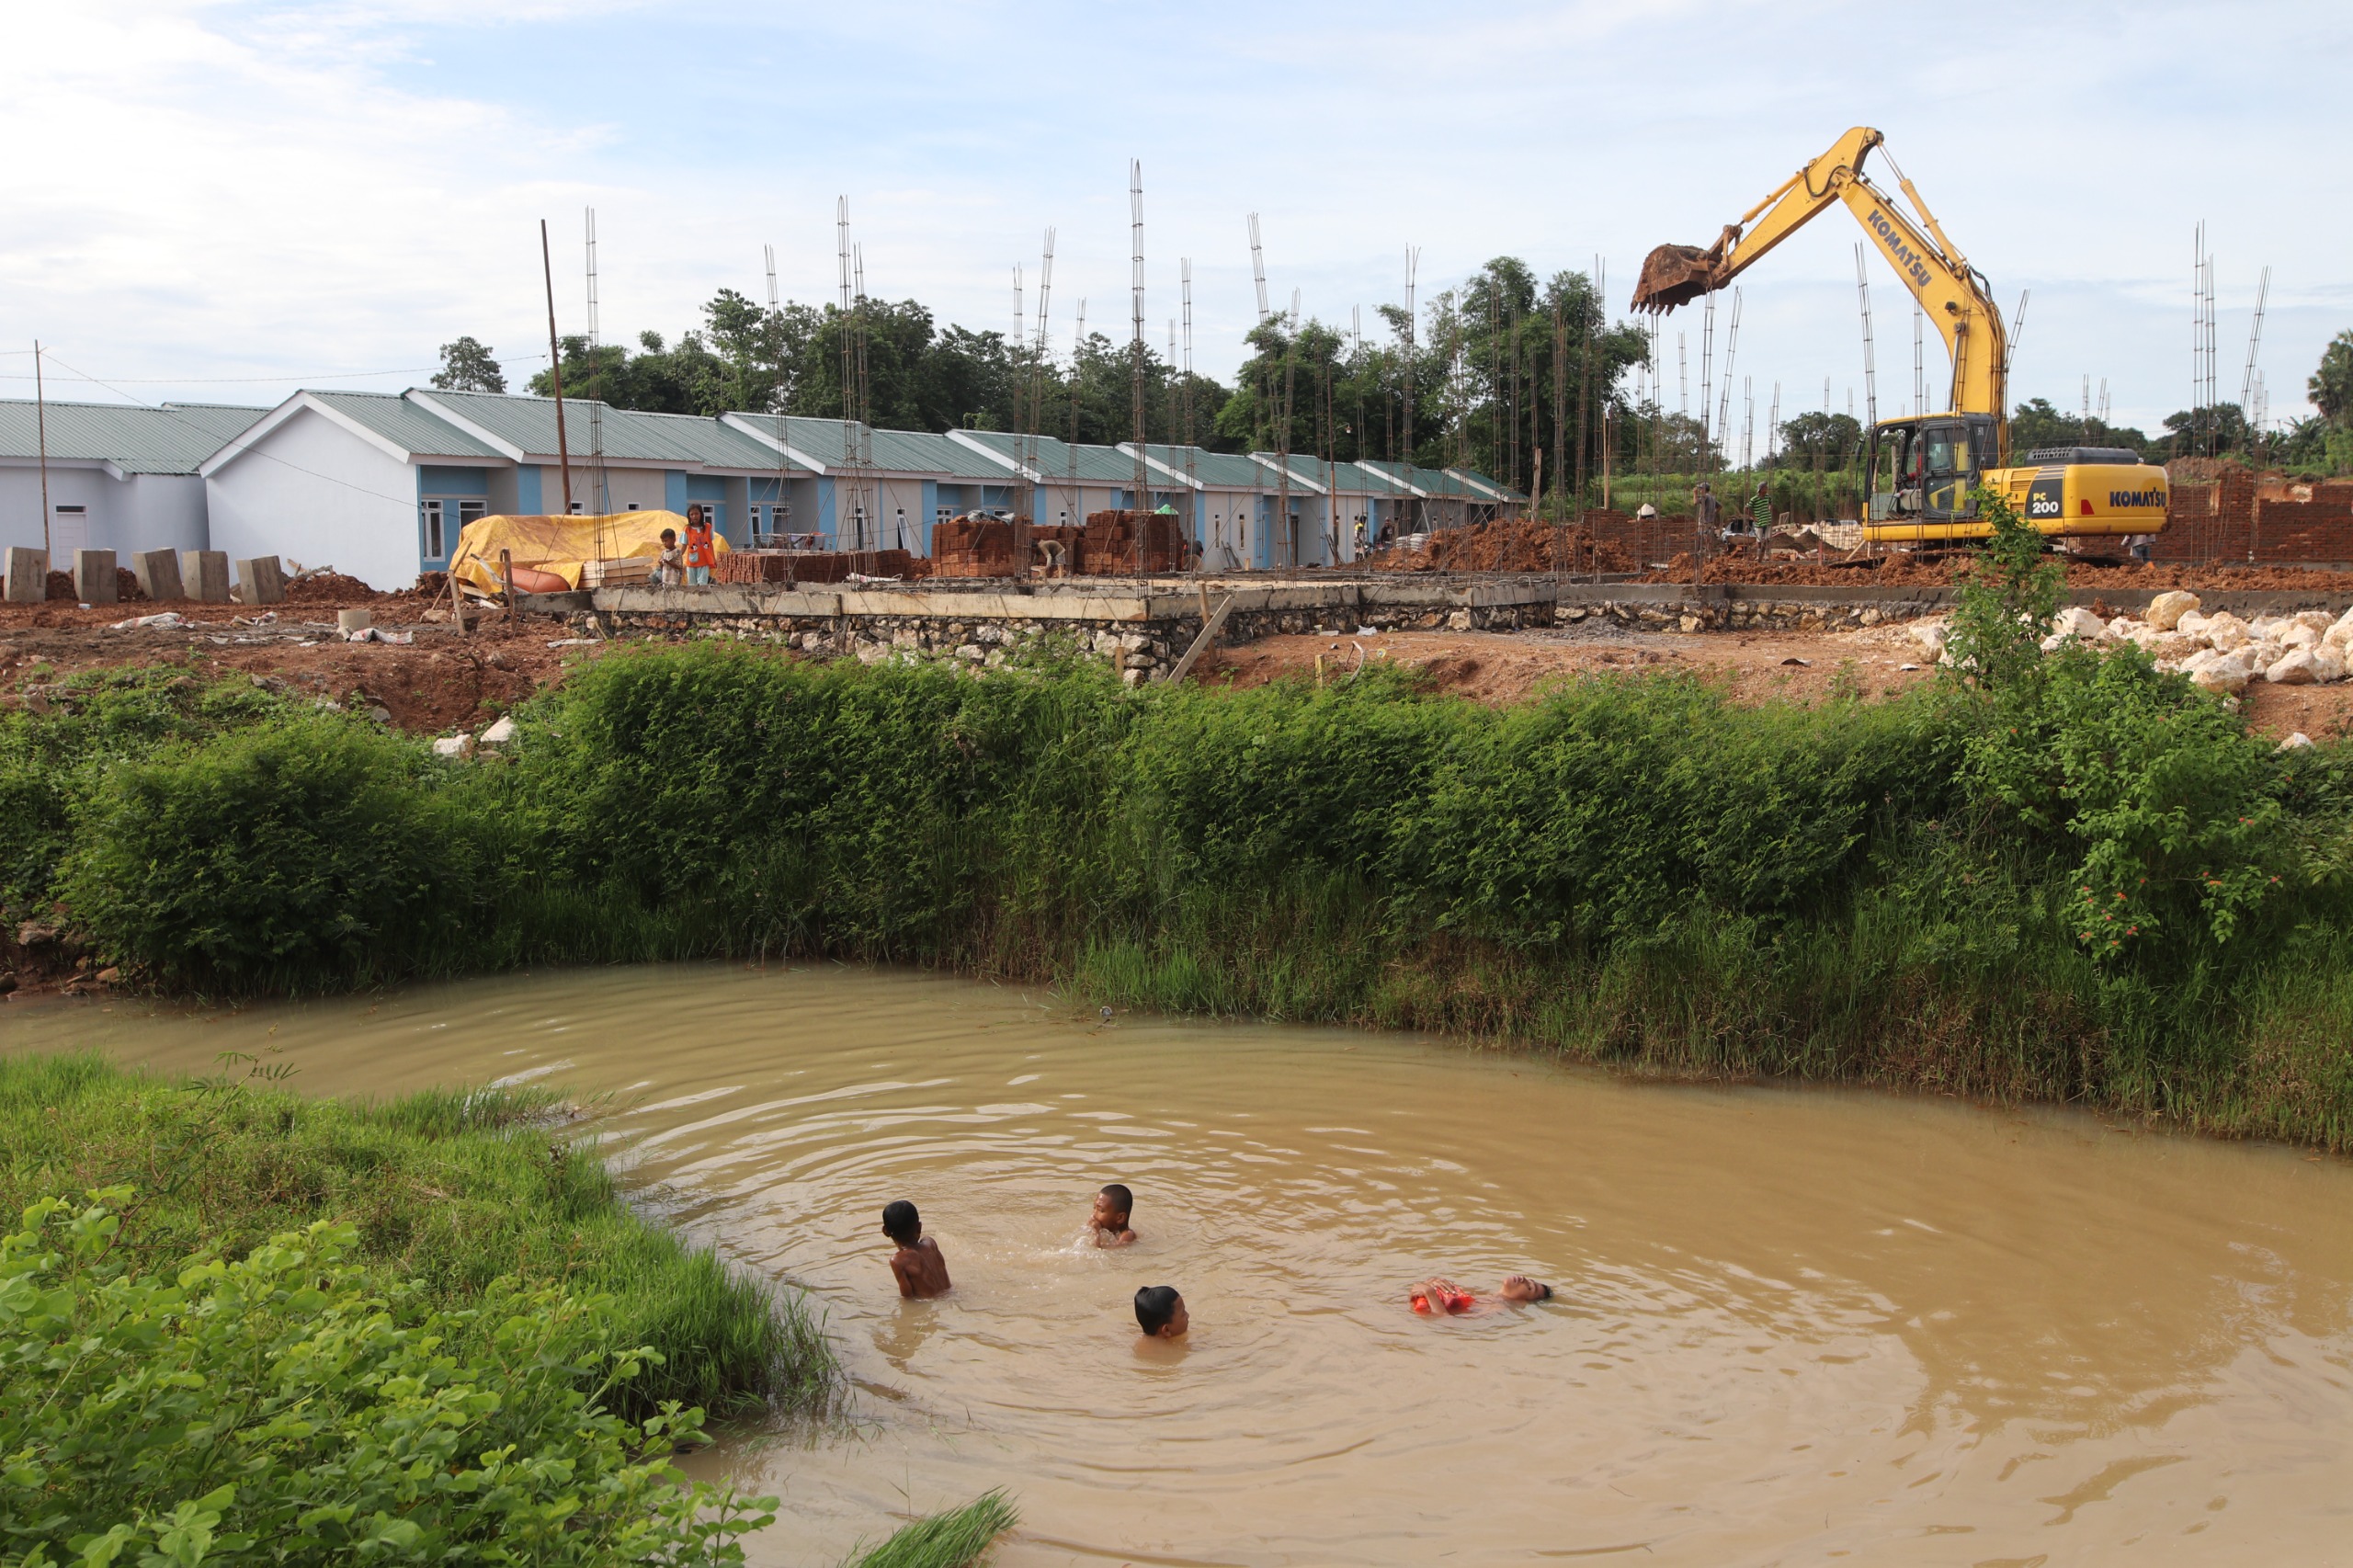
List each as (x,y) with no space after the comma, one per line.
(142,511)
(646,489)
(276,499)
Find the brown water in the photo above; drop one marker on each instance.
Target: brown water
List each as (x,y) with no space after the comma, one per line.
(1790,1326)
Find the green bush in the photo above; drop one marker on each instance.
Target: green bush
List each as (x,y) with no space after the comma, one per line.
(296,855)
(290,1407)
(1925,890)
(449,1192)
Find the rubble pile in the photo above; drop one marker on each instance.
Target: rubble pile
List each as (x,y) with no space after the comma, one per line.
(2220,652)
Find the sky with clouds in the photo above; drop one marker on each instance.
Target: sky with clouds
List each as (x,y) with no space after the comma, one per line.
(224,201)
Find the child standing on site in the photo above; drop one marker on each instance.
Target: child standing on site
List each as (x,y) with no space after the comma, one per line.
(669,567)
(701,554)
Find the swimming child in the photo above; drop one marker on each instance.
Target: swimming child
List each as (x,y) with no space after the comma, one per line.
(1110,1219)
(918,1266)
(1444,1298)
(1160,1312)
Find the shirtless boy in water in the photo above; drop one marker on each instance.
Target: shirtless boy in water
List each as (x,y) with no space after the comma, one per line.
(1110,1219)
(1444,1298)
(918,1265)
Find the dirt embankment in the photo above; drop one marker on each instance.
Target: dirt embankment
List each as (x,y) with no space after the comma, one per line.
(437,680)
(1502,667)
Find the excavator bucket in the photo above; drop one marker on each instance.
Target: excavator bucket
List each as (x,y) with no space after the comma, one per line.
(1675,275)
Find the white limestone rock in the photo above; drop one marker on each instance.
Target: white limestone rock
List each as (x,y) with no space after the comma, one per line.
(2224,632)
(2169,607)
(2299,666)
(1930,636)
(457,747)
(2217,671)
(2340,631)
(499,734)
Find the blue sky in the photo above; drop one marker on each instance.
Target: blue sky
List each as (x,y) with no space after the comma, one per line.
(224,201)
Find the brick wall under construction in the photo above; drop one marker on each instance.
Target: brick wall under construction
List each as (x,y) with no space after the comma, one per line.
(2224,512)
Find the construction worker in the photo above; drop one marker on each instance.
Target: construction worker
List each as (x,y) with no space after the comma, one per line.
(1760,508)
(1706,510)
(701,554)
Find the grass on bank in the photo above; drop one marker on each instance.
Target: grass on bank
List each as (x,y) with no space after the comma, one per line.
(450,1190)
(2072,877)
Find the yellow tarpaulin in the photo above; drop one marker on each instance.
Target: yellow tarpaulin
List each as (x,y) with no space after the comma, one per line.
(560,546)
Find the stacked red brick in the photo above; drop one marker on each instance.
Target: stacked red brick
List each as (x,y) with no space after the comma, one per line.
(756,566)
(752,566)
(972,546)
(1120,543)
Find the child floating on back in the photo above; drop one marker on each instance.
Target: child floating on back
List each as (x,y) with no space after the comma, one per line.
(1109,1222)
(918,1266)
(1444,1298)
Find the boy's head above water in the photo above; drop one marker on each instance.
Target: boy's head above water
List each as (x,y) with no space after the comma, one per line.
(1160,1312)
(1113,1205)
(902,1224)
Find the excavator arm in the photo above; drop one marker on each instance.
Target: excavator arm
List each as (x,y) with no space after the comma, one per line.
(1952,292)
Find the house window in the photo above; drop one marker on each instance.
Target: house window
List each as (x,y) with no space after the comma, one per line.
(433,550)
(469,511)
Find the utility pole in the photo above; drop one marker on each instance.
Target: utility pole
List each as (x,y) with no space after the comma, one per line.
(555,370)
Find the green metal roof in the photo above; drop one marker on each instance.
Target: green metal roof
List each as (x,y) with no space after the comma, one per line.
(1220,471)
(173,438)
(1054,458)
(1428,481)
(413,429)
(1479,483)
(1363,478)
(715,443)
(953,459)
(528,424)
(826,442)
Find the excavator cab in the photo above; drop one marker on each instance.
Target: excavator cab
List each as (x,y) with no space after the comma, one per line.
(1923,468)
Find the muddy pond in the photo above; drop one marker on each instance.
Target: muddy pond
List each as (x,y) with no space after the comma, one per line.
(1790,1325)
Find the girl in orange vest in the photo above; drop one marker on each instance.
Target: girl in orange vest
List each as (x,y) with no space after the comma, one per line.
(701,555)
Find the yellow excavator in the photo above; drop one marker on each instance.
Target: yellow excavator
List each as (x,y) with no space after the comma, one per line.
(1930,463)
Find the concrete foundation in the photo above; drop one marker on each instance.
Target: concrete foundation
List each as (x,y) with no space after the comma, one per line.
(94,578)
(261,581)
(204,575)
(1142,629)
(159,574)
(28,576)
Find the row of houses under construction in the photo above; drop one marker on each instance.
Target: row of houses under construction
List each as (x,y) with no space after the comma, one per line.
(378,485)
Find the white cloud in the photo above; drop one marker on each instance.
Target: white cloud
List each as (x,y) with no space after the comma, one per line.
(216,189)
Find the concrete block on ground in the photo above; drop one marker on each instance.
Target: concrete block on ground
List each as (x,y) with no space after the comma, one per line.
(263,580)
(159,574)
(94,579)
(204,575)
(28,576)
(354,620)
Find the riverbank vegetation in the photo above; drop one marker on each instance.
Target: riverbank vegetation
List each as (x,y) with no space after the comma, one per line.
(444,1192)
(2068,877)
(266,1328)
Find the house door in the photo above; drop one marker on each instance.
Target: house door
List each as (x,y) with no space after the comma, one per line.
(69,530)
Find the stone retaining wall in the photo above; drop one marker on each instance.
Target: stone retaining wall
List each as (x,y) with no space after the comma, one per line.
(1143,628)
